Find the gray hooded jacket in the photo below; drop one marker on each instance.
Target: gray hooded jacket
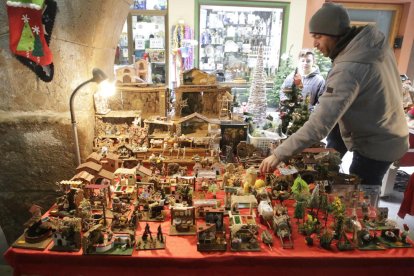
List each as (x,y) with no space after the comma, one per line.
(313,86)
(362,94)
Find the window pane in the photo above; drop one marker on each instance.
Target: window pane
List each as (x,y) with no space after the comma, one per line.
(148,33)
(149,5)
(230,37)
(121,54)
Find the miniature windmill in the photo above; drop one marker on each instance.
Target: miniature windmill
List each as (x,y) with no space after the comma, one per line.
(257,103)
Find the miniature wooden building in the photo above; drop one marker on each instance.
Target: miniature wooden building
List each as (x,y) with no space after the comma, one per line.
(125,176)
(200,98)
(195,76)
(141,69)
(125,151)
(84,176)
(151,100)
(94,157)
(111,162)
(183,221)
(195,125)
(215,215)
(143,172)
(90,167)
(126,74)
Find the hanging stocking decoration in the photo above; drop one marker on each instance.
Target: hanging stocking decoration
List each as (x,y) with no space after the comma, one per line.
(31,24)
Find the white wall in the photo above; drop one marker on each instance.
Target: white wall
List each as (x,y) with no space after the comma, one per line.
(296,25)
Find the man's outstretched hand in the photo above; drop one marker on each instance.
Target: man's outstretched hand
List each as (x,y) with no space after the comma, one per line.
(269,164)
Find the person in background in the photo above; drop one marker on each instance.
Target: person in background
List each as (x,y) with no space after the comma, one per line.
(408,91)
(362,95)
(306,76)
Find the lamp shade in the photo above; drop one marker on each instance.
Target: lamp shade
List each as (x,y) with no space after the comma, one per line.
(98,75)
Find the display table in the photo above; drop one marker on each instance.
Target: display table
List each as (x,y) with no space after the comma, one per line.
(181,257)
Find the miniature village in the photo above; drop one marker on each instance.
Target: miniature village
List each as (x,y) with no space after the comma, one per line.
(187,165)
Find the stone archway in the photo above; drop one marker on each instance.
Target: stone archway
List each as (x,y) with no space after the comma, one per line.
(35,131)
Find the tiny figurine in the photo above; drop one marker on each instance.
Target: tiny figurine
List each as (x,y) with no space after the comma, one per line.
(393,239)
(366,241)
(38,231)
(148,242)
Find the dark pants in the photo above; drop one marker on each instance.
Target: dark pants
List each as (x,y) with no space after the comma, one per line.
(335,141)
(370,171)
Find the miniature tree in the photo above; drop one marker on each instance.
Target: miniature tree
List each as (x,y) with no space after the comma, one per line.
(343,242)
(288,106)
(326,239)
(299,210)
(213,188)
(309,226)
(257,103)
(323,205)
(299,186)
(314,199)
(323,63)
(299,116)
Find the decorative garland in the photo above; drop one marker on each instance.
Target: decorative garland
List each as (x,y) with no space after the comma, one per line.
(183,47)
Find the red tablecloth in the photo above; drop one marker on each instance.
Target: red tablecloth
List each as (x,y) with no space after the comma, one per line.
(181,257)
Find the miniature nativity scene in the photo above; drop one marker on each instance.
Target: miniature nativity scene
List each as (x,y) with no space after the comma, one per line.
(188,166)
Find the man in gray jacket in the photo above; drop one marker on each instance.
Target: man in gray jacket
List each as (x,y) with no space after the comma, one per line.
(362,95)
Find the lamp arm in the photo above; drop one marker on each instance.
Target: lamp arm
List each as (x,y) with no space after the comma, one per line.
(72,117)
(72,99)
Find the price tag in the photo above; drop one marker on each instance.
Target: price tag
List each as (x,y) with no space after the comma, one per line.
(156,43)
(139,44)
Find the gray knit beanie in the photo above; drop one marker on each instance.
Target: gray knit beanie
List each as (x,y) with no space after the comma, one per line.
(332,19)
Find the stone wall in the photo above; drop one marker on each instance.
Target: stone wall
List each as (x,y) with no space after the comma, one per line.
(35,131)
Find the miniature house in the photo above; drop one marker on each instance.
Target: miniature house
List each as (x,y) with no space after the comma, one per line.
(90,167)
(198,126)
(94,157)
(111,162)
(199,98)
(125,151)
(182,221)
(84,176)
(103,174)
(126,176)
(141,69)
(158,128)
(126,74)
(143,172)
